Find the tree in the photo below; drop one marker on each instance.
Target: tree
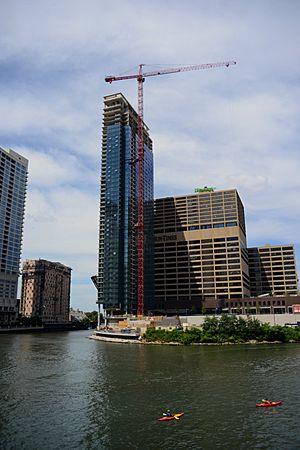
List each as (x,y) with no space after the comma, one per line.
(92,316)
(91,319)
(210,326)
(225,329)
(227,326)
(29,321)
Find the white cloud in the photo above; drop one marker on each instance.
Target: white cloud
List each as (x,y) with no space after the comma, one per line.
(61,225)
(57,168)
(61,220)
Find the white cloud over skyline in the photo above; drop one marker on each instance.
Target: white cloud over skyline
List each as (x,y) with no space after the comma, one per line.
(235,127)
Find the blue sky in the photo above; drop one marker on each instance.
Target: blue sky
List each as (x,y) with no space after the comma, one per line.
(228,128)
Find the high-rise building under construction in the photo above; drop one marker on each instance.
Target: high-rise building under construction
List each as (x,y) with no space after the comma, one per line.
(117,280)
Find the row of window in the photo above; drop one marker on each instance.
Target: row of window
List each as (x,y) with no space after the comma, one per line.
(191,199)
(170,292)
(196,242)
(180,252)
(268,260)
(163,208)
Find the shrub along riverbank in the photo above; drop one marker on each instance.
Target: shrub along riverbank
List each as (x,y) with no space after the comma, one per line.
(223,329)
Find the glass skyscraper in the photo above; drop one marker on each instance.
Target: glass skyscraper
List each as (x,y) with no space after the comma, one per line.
(13,182)
(117,274)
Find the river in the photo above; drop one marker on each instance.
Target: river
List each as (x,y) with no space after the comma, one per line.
(64,391)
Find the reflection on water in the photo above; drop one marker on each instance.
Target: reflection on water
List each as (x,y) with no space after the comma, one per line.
(61,390)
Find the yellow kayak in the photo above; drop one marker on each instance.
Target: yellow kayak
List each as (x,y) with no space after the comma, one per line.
(175,416)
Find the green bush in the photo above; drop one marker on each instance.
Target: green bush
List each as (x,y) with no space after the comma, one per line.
(225,329)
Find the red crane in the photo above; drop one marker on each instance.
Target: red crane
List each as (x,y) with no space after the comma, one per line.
(140,77)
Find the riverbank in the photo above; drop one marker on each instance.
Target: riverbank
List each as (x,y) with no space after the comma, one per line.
(252,342)
(43,328)
(216,330)
(170,343)
(21,330)
(223,330)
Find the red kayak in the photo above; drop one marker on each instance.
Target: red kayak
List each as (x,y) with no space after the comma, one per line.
(264,405)
(175,416)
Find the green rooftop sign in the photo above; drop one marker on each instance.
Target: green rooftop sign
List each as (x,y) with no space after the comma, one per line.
(205,189)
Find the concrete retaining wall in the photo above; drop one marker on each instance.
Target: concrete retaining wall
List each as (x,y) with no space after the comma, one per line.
(272,319)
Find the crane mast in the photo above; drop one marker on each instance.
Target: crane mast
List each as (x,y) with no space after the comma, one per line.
(140,77)
(141,196)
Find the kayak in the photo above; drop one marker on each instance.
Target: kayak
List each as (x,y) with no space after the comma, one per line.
(175,416)
(268,404)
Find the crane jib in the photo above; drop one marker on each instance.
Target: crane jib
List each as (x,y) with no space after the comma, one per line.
(110,79)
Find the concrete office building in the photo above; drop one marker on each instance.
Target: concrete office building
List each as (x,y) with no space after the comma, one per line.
(117,270)
(200,250)
(46,291)
(13,182)
(272,270)
(263,305)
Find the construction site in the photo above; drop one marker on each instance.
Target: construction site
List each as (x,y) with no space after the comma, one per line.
(176,256)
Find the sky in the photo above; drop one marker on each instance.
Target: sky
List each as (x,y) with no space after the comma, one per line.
(235,127)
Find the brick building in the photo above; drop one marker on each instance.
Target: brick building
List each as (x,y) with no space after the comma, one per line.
(46,291)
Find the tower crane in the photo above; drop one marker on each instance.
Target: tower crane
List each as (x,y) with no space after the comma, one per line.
(140,77)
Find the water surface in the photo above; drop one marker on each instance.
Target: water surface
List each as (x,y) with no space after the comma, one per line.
(63,391)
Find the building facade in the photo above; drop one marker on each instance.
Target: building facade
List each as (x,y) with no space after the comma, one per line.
(272,270)
(200,250)
(13,182)
(117,268)
(263,305)
(77,315)
(46,291)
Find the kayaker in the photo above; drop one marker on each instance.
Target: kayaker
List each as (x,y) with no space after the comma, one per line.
(168,413)
(264,400)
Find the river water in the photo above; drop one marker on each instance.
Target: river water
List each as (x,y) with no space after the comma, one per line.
(64,391)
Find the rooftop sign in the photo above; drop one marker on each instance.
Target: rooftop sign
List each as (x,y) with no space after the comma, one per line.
(205,189)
